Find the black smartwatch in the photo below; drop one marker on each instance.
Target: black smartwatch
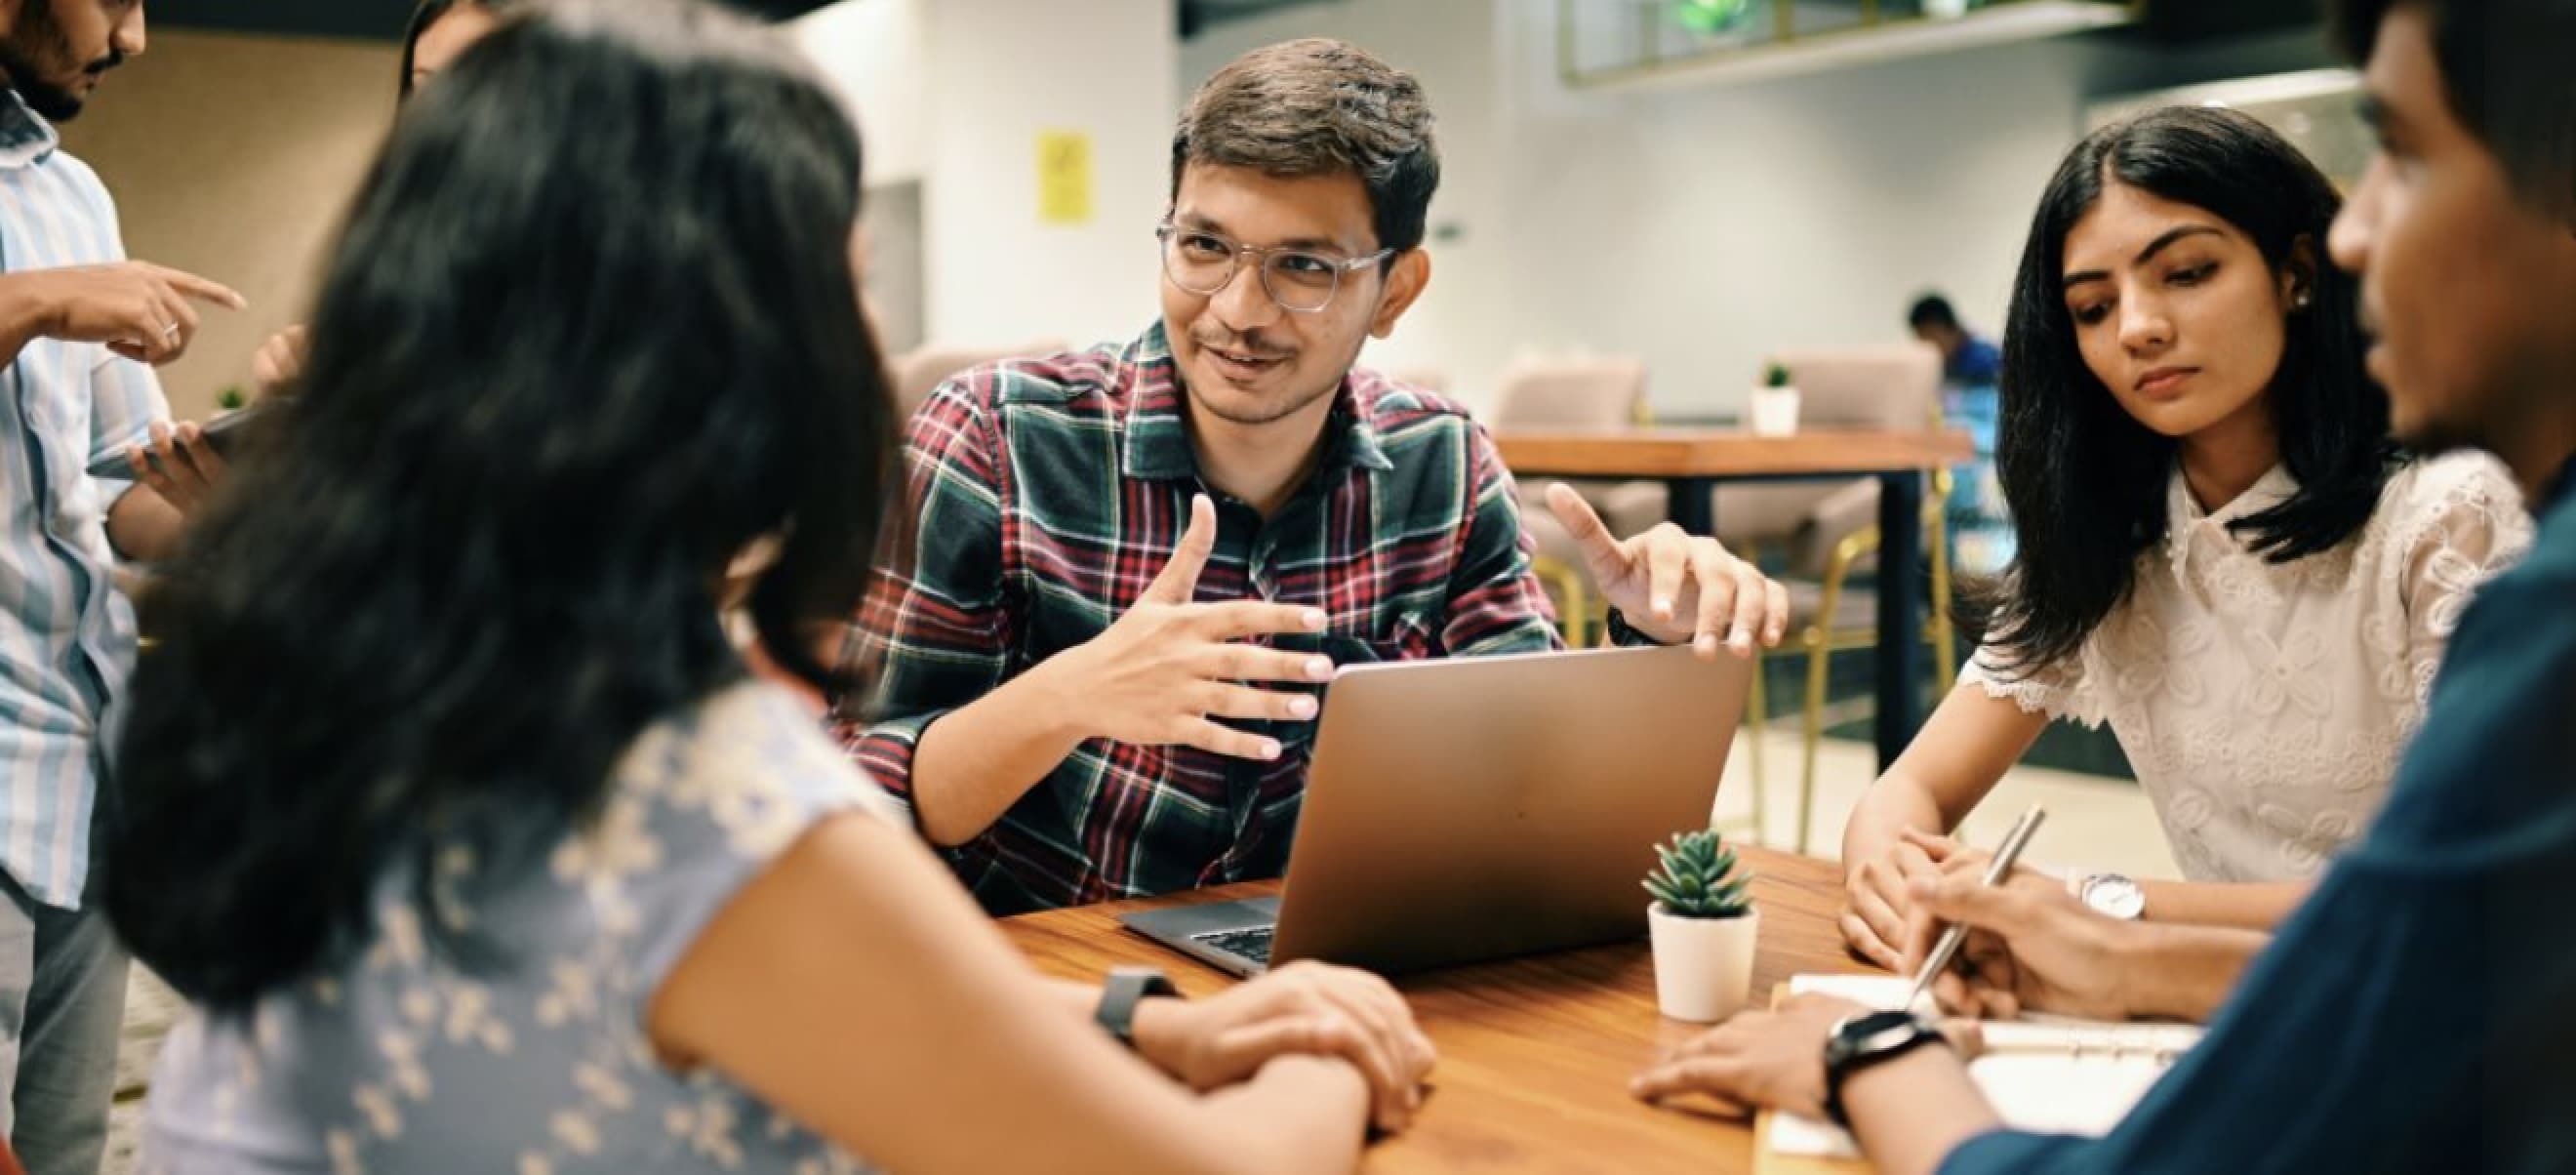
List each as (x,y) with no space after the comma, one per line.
(1125,988)
(1626,636)
(1859,1042)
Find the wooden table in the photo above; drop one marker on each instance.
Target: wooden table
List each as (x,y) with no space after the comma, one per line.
(1535,1053)
(1691,462)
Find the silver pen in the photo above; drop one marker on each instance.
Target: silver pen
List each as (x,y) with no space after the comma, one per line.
(1948,946)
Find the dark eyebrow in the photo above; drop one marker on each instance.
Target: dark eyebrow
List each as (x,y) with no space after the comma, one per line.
(2147,254)
(1192,220)
(2379,113)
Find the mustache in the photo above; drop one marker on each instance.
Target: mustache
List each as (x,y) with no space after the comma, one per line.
(114,58)
(1251,344)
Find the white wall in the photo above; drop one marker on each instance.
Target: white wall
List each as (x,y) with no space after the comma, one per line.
(954,94)
(874,52)
(1703,229)
(1001,71)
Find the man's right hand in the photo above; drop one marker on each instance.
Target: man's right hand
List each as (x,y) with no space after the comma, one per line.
(141,311)
(1169,667)
(2030,947)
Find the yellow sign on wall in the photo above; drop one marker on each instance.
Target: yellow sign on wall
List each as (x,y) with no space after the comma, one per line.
(1064,177)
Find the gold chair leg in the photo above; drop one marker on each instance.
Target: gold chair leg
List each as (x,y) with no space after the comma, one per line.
(1757,717)
(1574,610)
(1945,638)
(1820,648)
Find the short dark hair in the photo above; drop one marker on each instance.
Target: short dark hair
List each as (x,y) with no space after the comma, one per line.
(430,12)
(2505,71)
(1932,310)
(1320,107)
(2086,481)
(484,552)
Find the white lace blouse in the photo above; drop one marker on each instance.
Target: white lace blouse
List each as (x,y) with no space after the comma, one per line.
(2264,705)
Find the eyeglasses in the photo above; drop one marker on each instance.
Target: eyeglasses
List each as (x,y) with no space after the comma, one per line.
(1301,282)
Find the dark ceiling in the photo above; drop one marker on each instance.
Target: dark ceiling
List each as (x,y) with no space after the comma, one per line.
(368,19)
(1199,14)
(2176,20)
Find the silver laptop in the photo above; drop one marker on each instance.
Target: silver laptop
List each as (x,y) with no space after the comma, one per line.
(1479,807)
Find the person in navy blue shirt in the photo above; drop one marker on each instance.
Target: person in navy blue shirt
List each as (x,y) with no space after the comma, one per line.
(2419,1011)
(1966,360)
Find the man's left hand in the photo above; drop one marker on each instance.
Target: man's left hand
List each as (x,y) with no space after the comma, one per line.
(1674,586)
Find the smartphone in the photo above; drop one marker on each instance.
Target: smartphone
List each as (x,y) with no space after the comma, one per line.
(223,434)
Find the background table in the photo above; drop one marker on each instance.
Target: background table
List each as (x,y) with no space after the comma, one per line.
(1691,462)
(1535,1053)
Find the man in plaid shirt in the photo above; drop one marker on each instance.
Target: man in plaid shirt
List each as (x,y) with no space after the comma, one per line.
(1118,548)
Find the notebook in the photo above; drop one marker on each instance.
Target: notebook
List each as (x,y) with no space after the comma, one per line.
(2044,1073)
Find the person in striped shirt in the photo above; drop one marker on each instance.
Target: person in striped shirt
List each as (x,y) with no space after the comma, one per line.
(80,328)
(1134,567)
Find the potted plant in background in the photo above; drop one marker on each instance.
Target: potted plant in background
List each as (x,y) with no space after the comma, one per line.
(1703,927)
(1775,403)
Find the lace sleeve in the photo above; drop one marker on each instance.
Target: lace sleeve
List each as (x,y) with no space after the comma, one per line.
(2057,690)
(2470,527)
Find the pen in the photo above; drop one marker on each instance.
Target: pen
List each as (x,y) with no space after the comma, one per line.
(1948,946)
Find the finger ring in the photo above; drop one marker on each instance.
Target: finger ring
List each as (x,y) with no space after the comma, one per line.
(171,331)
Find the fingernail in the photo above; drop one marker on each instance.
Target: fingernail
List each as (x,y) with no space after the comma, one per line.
(1314,620)
(1319,668)
(1302,707)
(1707,642)
(1270,749)
(1664,608)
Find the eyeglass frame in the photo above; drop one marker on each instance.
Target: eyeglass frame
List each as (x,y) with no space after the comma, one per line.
(1238,251)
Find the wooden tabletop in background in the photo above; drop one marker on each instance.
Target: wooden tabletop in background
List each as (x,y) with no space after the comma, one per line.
(1535,1053)
(1673,453)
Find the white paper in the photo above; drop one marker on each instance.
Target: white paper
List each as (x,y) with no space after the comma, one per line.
(2050,1074)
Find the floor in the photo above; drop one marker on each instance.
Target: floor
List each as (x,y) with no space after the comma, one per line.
(2093,821)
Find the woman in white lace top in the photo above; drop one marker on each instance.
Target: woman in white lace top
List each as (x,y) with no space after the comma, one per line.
(2221,555)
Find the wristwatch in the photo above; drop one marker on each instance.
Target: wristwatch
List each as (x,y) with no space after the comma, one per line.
(1626,636)
(1125,988)
(1861,1041)
(2113,896)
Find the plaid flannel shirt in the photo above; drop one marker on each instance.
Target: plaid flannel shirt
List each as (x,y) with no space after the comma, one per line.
(1049,493)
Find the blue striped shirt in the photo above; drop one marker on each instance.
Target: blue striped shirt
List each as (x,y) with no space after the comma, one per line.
(66,633)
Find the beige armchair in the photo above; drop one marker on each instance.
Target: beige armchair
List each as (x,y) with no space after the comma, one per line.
(1580,395)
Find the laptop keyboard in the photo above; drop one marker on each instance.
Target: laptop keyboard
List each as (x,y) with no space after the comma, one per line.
(1253,944)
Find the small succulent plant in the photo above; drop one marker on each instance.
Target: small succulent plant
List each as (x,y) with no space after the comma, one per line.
(1775,376)
(1697,878)
(231,398)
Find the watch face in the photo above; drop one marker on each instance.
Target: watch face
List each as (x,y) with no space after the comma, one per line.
(1865,1034)
(2115,896)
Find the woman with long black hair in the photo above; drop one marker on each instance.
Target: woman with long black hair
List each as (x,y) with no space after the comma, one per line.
(449,802)
(2221,553)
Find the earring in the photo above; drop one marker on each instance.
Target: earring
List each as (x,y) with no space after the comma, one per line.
(2299,301)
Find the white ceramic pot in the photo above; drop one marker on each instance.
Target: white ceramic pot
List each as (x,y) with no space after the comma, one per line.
(1945,9)
(1774,411)
(1703,966)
